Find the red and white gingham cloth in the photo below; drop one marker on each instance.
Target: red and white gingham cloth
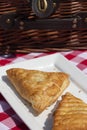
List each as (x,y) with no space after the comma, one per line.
(8,118)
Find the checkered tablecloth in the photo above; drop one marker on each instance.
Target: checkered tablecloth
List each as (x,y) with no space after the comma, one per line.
(9,120)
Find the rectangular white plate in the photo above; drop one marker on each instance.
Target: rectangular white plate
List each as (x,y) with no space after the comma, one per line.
(54,62)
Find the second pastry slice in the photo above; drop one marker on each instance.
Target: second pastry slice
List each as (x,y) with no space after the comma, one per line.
(39,88)
(71,114)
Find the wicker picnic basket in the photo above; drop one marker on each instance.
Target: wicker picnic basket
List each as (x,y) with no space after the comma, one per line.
(20,40)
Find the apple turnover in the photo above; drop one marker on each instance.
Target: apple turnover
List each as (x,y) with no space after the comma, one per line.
(39,88)
(71,114)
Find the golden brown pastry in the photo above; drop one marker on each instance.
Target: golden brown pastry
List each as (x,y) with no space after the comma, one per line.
(71,114)
(39,88)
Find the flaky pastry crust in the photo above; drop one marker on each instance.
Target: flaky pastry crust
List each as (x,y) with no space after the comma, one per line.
(71,114)
(39,88)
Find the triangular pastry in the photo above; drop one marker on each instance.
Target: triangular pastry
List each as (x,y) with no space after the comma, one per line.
(39,88)
(71,114)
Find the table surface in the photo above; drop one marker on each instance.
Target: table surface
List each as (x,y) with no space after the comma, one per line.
(8,118)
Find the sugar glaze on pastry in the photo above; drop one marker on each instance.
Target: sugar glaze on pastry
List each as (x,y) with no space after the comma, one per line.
(39,88)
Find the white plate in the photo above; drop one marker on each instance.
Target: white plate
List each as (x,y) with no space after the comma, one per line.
(54,62)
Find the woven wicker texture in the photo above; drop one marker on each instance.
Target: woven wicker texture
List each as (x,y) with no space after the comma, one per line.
(42,40)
